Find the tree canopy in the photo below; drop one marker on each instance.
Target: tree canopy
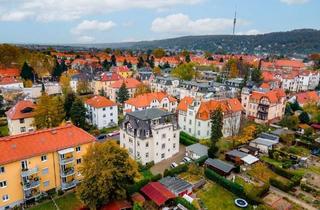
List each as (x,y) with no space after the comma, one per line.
(107,171)
(142,89)
(78,113)
(123,94)
(216,131)
(159,52)
(185,71)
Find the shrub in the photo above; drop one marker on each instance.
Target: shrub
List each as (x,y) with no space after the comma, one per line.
(156,177)
(229,185)
(310,189)
(295,178)
(200,161)
(185,203)
(185,141)
(177,170)
(282,185)
(184,134)
(137,186)
(60,192)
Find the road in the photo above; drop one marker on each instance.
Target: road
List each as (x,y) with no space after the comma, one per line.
(292,198)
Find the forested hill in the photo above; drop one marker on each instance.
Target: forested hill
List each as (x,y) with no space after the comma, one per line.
(303,41)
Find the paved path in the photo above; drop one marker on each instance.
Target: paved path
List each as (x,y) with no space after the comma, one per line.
(292,198)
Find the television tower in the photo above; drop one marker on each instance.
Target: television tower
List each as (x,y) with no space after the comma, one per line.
(234,21)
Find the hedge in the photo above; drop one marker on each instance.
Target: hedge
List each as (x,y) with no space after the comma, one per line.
(287,174)
(185,203)
(281,184)
(201,160)
(229,185)
(138,185)
(254,196)
(184,134)
(177,170)
(185,141)
(310,189)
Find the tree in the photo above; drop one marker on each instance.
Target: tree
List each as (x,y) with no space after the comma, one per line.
(27,83)
(256,76)
(216,131)
(2,107)
(234,71)
(125,62)
(64,82)
(78,113)
(157,71)
(159,53)
(295,106)
(68,101)
(151,62)
(129,65)
(288,110)
(304,117)
(140,63)
(187,58)
(106,65)
(142,89)
(57,111)
(107,172)
(184,71)
(290,122)
(26,72)
(113,60)
(57,70)
(83,87)
(123,94)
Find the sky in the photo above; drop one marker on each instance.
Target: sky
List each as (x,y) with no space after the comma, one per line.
(106,21)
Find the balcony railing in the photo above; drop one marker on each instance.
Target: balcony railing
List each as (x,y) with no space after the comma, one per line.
(69,185)
(64,161)
(31,184)
(67,172)
(29,171)
(30,194)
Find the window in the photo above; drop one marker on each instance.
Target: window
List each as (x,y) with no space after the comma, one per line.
(162,155)
(163,146)
(147,144)
(104,116)
(22,129)
(174,146)
(43,158)
(138,154)
(147,154)
(22,120)
(138,143)
(130,150)
(111,114)
(2,169)
(174,135)
(190,122)
(78,149)
(5,197)
(3,184)
(46,183)
(104,109)
(130,140)
(79,161)
(198,132)
(163,135)
(45,171)
(24,165)
(111,107)
(147,133)
(198,123)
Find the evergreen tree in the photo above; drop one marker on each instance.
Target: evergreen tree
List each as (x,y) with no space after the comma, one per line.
(63,66)
(78,113)
(113,60)
(188,58)
(57,71)
(125,62)
(256,76)
(102,92)
(166,65)
(140,62)
(123,93)
(26,72)
(304,117)
(2,108)
(68,101)
(295,106)
(216,131)
(288,110)
(43,88)
(151,62)
(129,65)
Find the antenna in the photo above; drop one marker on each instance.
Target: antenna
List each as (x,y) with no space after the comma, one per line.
(234,21)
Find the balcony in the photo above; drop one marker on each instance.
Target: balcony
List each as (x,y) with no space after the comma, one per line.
(29,171)
(32,194)
(31,184)
(67,172)
(67,160)
(69,185)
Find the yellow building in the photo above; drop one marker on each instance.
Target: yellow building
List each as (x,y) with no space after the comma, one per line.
(35,162)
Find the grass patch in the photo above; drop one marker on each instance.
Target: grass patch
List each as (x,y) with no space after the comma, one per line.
(4,130)
(66,202)
(271,161)
(192,178)
(246,186)
(216,197)
(109,130)
(297,150)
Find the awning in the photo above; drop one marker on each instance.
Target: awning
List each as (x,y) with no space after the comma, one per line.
(65,151)
(250,159)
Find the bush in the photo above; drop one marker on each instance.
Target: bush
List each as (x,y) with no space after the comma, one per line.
(254,196)
(60,192)
(229,185)
(185,141)
(282,185)
(185,203)
(138,185)
(51,192)
(145,167)
(286,164)
(295,178)
(310,189)
(200,161)
(177,170)
(156,177)
(184,134)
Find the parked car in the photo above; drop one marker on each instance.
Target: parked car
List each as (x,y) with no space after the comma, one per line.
(114,133)
(186,159)
(101,137)
(173,165)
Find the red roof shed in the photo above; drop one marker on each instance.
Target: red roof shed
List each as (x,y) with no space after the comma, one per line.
(158,193)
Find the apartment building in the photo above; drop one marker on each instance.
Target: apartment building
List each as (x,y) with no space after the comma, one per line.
(131,85)
(101,112)
(150,135)
(159,100)
(39,161)
(21,117)
(194,116)
(262,105)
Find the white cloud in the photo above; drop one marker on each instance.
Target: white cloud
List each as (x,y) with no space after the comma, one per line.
(92,25)
(64,10)
(15,16)
(85,39)
(181,24)
(290,2)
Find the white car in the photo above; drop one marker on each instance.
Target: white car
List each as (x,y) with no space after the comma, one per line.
(114,133)
(186,160)
(173,165)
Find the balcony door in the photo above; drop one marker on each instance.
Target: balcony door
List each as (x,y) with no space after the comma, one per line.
(24,165)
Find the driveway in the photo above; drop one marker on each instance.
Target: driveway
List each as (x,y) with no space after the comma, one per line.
(161,166)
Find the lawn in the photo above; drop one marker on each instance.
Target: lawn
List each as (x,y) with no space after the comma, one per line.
(248,187)
(67,202)
(216,197)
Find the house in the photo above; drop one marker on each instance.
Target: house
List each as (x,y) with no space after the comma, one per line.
(82,77)
(9,72)
(219,166)
(10,83)
(34,92)
(177,186)
(130,83)
(264,106)
(21,117)
(166,84)
(101,112)
(157,193)
(158,100)
(196,151)
(123,71)
(249,150)
(269,136)
(194,116)
(104,82)
(150,135)
(39,161)
(117,205)
(307,97)
(264,145)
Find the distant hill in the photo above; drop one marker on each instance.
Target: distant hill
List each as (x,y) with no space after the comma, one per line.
(303,41)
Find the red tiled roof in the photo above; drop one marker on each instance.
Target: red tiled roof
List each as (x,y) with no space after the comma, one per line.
(158,193)
(130,83)
(100,102)
(27,145)
(289,63)
(9,72)
(117,205)
(110,77)
(274,96)
(19,110)
(308,97)
(267,76)
(145,100)
(120,69)
(8,80)
(265,85)
(184,103)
